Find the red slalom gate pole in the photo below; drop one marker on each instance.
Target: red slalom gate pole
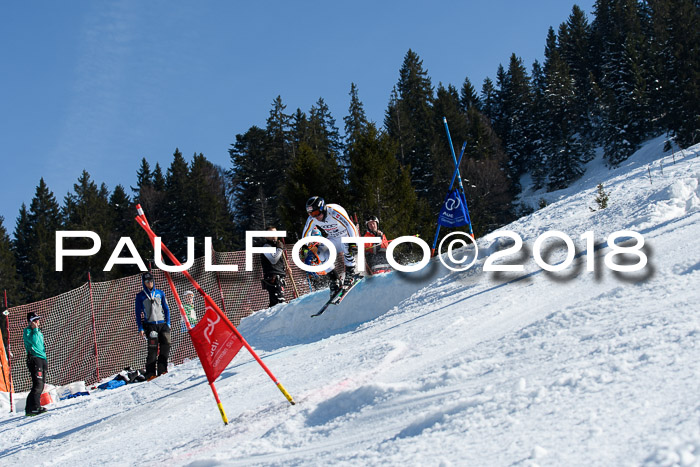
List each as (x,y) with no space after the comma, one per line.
(143,222)
(218,282)
(189,327)
(94,328)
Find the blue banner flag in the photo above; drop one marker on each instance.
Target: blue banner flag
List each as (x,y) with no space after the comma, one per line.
(454,212)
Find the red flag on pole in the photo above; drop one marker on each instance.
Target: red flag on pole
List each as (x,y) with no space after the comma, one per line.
(216,356)
(215,342)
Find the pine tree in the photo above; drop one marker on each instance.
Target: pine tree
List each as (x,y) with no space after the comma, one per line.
(122,211)
(574,45)
(482,141)
(356,121)
(325,141)
(158,180)
(563,143)
(397,126)
(408,120)
(300,130)
(86,208)
(279,131)
(123,225)
(251,187)
(468,97)
(144,178)
(176,206)
(278,128)
(484,179)
(324,136)
(209,214)
(516,110)
(617,32)
(500,122)
(35,243)
(656,15)
(379,186)
(21,247)
(488,99)
(9,280)
(539,127)
(676,25)
(150,194)
(306,177)
(601,198)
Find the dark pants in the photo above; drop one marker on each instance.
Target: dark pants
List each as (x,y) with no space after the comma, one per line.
(37,369)
(275,288)
(158,335)
(377,262)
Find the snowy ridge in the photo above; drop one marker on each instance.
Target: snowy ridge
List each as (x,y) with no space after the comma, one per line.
(447,368)
(289,324)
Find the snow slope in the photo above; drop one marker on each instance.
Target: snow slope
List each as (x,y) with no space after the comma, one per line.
(442,367)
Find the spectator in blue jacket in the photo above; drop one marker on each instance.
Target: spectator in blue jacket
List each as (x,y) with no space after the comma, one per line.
(153,322)
(36,363)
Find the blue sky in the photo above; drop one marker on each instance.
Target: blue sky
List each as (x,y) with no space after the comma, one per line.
(99,85)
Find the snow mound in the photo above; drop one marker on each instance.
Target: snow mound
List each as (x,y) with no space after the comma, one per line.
(291,323)
(676,200)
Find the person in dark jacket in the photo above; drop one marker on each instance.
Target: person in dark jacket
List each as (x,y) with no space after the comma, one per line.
(153,322)
(273,267)
(376,254)
(36,363)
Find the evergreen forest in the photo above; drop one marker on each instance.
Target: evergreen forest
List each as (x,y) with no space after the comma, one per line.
(606,83)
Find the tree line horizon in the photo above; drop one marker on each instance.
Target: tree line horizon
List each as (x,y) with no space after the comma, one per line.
(630,74)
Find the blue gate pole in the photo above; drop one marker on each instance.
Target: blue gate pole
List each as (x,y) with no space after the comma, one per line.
(454,174)
(454,158)
(452,150)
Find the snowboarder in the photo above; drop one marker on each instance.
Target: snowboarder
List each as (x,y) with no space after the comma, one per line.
(335,222)
(153,321)
(36,364)
(273,269)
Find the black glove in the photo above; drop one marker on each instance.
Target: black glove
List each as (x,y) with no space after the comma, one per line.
(352,249)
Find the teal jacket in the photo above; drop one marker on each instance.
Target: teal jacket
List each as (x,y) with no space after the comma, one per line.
(34,342)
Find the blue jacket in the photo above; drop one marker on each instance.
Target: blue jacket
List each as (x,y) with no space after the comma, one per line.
(151,307)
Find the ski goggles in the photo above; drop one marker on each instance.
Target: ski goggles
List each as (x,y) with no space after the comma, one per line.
(314,213)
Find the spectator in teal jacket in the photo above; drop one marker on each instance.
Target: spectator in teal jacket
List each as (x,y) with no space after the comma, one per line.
(36,363)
